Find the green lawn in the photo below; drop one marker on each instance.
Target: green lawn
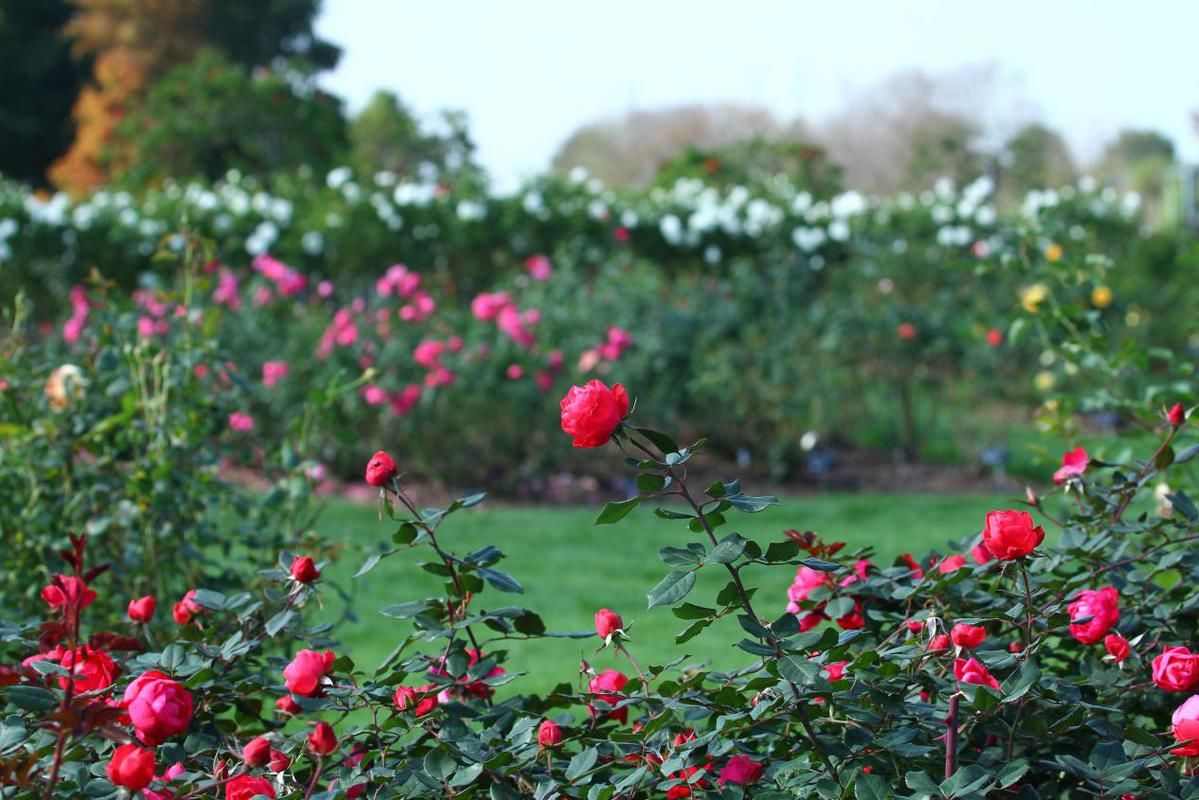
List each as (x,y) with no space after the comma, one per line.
(570,568)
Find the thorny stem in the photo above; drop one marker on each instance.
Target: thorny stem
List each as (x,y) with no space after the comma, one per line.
(316,775)
(75,609)
(445,557)
(746,603)
(951,737)
(1027,604)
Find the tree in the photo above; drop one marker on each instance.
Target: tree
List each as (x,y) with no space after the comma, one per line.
(45,78)
(212,115)
(1035,157)
(136,42)
(631,149)
(386,136)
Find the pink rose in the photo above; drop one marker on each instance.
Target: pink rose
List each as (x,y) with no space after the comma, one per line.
(158,706)
(974,671)
(1186,727)
(1176,669)
(592,413)
(303,675)
(1074,464)
(1102,610)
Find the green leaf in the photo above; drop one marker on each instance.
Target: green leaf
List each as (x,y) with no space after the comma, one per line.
(659,440)
(616,511)
(750,504)
(405,534)
(872,787)
(501,580)
(214,601)
(405,610)
(649,482)
(1024,680)
(781,551)
(728,550)
(368,565)
(671,589)
(581,763)
(529,624)
(279,622)
(715,489)
(820,565)
(690,556)
(1184,505)
(30,698)
(666,513)
(798,669)
(692,611)
(692,630)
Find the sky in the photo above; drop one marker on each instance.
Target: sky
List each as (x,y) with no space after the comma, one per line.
(529,72)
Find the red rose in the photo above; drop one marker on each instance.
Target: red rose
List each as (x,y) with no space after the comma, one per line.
(247,787)
(938,643)
(974,671)
(967,636)
(303,675)
(278,761)
(304,570)
(1176,670)
(915,626)
(288,705)
(67,589)
(1186,727)
(607,623)
(981,554)
(835,670)
(607,686)
(322,741)
(257,751)
(1117,647)
(1015,647)
(142,609)
(186,608)
(1176,415)
(1074,464)
(549,734)
(90,669)
(423,699)
(994,337)
(913,565)
(1100,611)
(952,564)
(853,620)
(380,469)
(685,789)
(1011,534)
(591,413)
(131,767)
(158,707)
(741,769)
(907,331)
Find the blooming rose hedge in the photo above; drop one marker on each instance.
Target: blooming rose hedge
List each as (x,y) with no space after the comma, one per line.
(1047,655)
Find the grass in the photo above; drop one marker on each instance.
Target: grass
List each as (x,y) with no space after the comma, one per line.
(570,568)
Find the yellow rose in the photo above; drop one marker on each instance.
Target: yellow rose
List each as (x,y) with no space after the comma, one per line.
(1053,253)
(1044,381)
(1032,297)
(1101,297)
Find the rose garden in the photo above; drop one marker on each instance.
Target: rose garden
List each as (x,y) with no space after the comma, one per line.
(329,470)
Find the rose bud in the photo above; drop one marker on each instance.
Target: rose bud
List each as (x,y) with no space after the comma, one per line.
(741,770)
(967,636)
(322,741)
(1117,647)
(247,787)
(1099,609)
(68,590)
(549,734)
(380,470)
(303,675)
(257,751)
(186,608)
(938,643)
(278,761)
(915,626)
(591,413)
(158,707)
(142,609)
(607,623)
(1176,670)
(303,570)
(951,564)
(1015,647)
(131,767)
(835,670)
(288,705)
(1176,415)
(1010,535)
(1186,727)
(1074,464)
(423,699)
